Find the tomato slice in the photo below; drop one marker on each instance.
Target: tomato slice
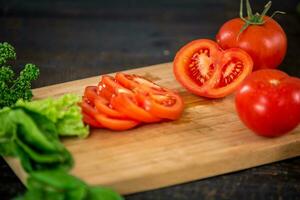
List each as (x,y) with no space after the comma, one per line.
(166,106)
(86,118)
(90,93)
(128,105)
(112,85)
(103,106)
(87,107)
(104,91)
(136,82)
(204,69)
(115,124)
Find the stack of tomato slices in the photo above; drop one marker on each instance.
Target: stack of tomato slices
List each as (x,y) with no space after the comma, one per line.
(127,100)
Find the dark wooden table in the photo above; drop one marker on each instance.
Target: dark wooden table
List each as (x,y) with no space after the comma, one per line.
(71,40)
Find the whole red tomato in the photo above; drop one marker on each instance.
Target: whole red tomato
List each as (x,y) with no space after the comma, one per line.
(260,36)
(268,102)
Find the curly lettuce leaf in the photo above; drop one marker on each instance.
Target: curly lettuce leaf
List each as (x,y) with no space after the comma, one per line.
(64,112)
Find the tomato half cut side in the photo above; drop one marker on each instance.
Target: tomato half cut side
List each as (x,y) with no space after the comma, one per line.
(136,82)
(103,106)
(86,118)
(195,64)
(128,105)
(166,106)
(234,66)
(115,124)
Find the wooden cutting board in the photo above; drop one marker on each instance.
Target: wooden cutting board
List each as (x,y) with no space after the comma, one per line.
(207,140)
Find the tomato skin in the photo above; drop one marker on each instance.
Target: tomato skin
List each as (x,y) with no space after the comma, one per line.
(268,102)
(266,43)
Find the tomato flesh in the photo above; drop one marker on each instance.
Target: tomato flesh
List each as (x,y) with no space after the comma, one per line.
(201,66)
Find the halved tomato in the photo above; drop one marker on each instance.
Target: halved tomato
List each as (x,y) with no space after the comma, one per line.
(204,69)
(128,105)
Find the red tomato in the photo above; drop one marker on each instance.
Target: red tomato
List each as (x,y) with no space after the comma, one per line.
(259,35)
(268,102)
(205,70)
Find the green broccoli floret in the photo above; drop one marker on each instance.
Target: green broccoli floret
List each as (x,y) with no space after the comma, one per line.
(12,89)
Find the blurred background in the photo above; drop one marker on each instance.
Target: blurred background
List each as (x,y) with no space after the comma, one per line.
(74,39)
(87,38)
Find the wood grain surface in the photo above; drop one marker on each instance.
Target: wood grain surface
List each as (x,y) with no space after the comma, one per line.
(207,140)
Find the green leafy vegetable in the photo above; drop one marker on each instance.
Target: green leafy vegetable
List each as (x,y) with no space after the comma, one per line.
(7,52)
(12,89)
(64,112)
(31,130)
(57,184)
(33,138)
